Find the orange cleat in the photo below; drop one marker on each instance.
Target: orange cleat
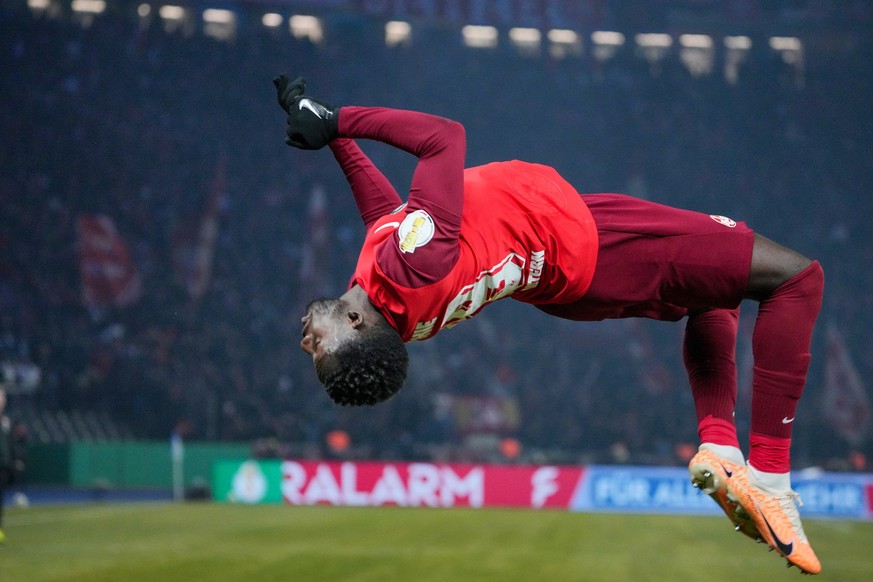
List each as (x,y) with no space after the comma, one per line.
(776,516)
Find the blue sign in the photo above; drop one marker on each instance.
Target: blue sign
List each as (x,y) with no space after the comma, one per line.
(669,490)
(640,489)
(834,495)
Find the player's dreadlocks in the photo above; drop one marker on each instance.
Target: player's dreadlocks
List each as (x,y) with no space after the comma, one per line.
(367,369)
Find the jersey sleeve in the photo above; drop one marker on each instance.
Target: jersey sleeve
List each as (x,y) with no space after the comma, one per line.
(426,246)
(374,194)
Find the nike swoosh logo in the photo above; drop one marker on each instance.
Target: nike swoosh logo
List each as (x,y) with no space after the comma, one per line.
(786,420)
(319,111)
(786,549)
(726,472)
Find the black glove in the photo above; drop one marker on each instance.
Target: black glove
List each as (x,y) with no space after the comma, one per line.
(286,92)
(312,123)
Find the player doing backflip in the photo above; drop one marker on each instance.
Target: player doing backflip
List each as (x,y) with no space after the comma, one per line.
(467,237)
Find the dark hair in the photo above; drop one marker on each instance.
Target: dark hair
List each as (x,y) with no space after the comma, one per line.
(367,369)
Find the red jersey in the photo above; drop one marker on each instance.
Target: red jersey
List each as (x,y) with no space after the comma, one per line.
(525,233)
(465,238)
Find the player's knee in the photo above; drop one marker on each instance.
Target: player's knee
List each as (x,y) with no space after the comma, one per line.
(773,265)
(805,289)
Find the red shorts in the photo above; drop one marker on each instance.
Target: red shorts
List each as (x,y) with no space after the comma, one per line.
(658,262)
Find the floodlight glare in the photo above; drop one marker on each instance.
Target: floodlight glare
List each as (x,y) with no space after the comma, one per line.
(742,43)
(170,12)
(272,20)
(785,43)
(607,37)
(525,35)
(89,6)
(397,32)
(216,16)
(479,36)
(303,26)
(654,39)
(700,41)
(563,36)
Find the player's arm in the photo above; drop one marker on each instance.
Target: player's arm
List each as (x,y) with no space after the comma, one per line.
(438,143)
(426,246)
(313,123)
(374,194)
(437,188)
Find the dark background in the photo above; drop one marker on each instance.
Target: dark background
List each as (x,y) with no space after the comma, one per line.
(122,118)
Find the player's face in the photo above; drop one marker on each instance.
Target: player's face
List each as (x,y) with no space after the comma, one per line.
(324,328)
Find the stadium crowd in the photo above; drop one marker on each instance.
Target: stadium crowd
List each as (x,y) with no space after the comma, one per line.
(137,124)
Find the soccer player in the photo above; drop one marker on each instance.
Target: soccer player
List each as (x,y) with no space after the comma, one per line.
(467,237)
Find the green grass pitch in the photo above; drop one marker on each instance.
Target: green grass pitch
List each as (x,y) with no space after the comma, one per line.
(207,541)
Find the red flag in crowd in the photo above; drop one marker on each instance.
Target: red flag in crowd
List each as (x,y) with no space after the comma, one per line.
(194,251)
(846,404)
(109,276)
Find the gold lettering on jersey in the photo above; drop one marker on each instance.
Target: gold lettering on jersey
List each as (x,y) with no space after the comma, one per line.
(423,330)
(495,283)
(501,280)
(537,260)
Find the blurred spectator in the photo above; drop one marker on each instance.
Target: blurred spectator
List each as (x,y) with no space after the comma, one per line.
(12,452)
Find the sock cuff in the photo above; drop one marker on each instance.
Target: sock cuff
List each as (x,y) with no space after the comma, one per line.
(718,431)
(769,454)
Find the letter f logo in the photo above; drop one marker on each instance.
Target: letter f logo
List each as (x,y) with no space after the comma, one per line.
(543,485)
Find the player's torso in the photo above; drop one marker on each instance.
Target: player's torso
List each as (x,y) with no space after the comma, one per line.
(525,234)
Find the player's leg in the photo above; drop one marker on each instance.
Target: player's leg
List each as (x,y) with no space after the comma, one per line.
(670,253)
(709,354)
(683,262)
(789,288)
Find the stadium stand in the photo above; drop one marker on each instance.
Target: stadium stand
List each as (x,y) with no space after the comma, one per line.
(163,131)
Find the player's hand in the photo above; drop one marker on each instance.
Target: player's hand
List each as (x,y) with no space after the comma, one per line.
(312,123)
(287,91)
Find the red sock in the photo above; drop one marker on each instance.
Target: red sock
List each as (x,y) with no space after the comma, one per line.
(709,352)
(780,344)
